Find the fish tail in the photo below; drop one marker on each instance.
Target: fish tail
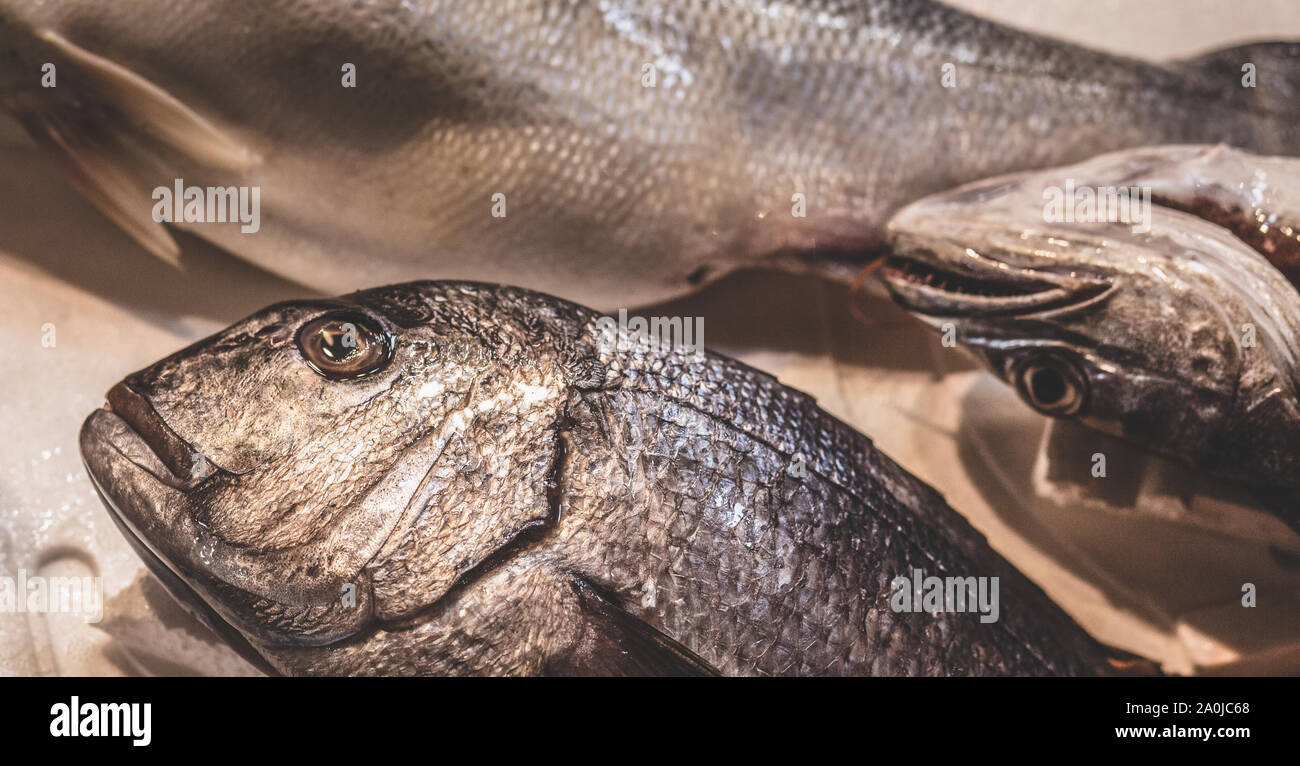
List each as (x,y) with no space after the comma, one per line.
(1259,85)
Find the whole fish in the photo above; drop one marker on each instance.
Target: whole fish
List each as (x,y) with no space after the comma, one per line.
(487,480)
(1167,319)
(617,152)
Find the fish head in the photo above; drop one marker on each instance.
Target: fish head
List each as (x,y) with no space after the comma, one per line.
(308,469)
(1179,338)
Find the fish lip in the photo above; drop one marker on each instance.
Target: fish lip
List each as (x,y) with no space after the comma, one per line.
(992,290)
(107,439)
(136,488)
(166,449)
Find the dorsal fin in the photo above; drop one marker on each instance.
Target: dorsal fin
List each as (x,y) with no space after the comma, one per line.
(106,184)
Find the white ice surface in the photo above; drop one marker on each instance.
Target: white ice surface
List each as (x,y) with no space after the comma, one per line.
(1129,559)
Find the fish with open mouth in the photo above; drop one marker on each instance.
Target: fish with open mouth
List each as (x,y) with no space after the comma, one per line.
(618,152)
(1177,328)
(484,480)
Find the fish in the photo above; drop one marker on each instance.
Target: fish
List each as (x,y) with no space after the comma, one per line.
(487,480)
(1171,320)
(618,153)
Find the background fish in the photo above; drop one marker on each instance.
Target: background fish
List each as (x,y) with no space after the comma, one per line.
(484,483)
(1183,338)
(614,193)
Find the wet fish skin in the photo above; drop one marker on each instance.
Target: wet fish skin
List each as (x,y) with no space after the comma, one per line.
(1182,339)
(616,194)
(509,468)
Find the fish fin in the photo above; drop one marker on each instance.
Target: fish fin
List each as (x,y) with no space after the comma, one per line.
(105,183)
(156,110)
(106,125)
(615,643)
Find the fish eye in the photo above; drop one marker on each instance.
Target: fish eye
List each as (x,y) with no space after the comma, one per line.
(345,345)
(1051,385)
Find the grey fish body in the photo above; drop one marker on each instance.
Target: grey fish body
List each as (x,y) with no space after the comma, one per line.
(613,193)
(1176,330)
(512,495)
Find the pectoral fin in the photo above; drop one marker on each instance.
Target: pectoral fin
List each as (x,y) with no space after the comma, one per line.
(102,180)
(156,110)
(614,643)
(106,125)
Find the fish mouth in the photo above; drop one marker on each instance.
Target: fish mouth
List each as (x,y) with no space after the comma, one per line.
(132,459)
(152,444)
(920,283)
(140,467)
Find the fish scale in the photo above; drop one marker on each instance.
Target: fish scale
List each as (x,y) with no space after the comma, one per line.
(615,193)
(570,505)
